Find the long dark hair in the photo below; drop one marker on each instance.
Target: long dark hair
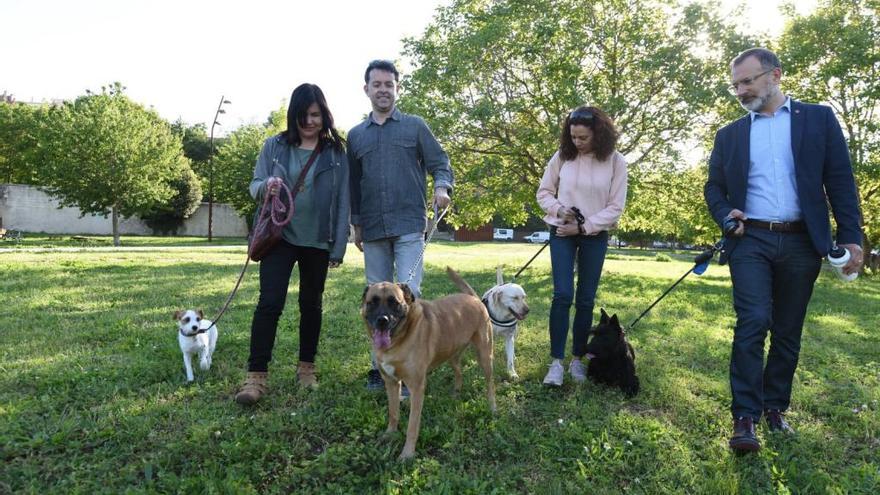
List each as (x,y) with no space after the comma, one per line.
(300,101)
(604,133)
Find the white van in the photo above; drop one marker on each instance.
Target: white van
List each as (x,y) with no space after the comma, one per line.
(537,237)
(502,234)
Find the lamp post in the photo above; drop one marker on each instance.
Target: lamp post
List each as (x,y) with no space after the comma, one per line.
(211,170)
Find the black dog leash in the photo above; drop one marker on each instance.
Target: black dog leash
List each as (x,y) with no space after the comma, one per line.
(701,258)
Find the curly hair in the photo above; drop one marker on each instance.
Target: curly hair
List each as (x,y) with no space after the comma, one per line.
(604,133)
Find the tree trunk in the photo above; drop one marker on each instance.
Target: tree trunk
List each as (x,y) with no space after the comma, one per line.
(115,216)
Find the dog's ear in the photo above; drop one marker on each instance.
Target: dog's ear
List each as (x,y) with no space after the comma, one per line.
(614,321)
(407,293)
(604,318)
(200,313)
(364,295)
(496,297)
(178,314)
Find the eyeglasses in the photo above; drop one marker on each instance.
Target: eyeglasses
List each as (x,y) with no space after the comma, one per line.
(581,115)
(746,82)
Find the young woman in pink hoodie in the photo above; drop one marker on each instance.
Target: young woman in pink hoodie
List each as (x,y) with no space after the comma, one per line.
(582,193)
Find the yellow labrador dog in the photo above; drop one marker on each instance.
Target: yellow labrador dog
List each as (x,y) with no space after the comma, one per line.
(412,337)
(507,307)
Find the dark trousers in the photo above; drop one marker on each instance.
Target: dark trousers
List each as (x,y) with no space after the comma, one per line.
(590,254)
(275,271)
(773,275)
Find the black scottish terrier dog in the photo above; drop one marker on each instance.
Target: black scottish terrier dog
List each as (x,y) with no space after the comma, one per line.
(612,358)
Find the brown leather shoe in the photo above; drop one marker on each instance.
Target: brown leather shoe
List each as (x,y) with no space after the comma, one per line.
(305,374)
(776,421)
(744,439)
(253,388)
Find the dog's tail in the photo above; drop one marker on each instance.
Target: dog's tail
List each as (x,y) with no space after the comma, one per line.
(499,277)
(460,283)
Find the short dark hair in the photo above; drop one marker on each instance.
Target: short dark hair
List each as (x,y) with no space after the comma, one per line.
(604,133)
(768,59)
(300,100)
(386,65)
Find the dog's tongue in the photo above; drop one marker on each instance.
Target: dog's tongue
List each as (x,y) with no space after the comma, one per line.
(381,339)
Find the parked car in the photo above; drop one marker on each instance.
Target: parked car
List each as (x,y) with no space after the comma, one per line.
(502,234)
(537,237)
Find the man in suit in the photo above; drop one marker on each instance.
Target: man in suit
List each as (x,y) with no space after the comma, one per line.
(775,170)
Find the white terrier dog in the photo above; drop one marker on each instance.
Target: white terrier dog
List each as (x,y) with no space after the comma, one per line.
(195,335)
(507,307)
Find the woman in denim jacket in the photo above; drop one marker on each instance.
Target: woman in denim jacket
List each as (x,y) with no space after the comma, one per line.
(315,238)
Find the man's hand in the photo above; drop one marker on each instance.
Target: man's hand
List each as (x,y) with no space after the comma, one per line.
(568,229)
(358,238)
(856,258)
(273,185)
(335,264)
(441,197)
(739,215)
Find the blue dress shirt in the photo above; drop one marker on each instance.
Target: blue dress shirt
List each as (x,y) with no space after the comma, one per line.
(772,188)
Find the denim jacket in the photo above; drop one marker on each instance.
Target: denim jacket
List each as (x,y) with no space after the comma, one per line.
(331,183)
(389,167)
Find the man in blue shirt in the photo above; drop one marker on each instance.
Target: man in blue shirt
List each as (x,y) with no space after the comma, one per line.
(390,155)
(775,171)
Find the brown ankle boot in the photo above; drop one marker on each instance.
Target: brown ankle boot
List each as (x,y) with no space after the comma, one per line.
(305,374)
(253,388)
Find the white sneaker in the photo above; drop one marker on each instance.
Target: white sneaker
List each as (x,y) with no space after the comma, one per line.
(554,376)
(577,370)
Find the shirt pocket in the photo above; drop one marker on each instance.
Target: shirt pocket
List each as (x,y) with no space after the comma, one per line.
(364,149)
(404,142)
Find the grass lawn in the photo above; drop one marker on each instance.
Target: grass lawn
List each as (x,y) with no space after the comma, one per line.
(93,397)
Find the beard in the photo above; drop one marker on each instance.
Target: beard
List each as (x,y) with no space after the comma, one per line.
(757,102)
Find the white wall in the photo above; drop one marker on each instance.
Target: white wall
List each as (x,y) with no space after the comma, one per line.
(28,209)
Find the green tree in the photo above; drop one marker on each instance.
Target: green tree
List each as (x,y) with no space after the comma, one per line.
(18,142)
(495,78)
(235,161)
(108,155)
(165,218)
(832,55)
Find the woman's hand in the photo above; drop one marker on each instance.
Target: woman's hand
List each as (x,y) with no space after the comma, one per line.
(565,213)
(273,185)
(568,229)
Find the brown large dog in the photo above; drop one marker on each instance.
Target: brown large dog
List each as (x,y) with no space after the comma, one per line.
(412,337)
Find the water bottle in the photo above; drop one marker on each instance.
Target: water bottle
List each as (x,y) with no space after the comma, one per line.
(838,258)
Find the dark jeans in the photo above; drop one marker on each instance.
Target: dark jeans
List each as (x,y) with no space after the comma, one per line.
(773,276)
(590,254)
(275,270)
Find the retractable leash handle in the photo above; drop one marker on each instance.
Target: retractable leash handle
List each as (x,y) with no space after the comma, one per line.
(699,261)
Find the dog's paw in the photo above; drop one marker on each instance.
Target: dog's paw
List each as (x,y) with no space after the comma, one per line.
(406,456)
(390,435)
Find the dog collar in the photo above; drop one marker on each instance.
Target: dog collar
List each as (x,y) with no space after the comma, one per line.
(495,321)
(201,330)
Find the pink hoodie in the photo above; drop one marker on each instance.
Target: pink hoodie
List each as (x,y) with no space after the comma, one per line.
(597,189)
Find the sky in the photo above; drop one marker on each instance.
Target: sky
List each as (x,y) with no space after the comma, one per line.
(181,56)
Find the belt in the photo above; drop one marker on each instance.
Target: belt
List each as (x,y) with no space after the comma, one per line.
(786,227)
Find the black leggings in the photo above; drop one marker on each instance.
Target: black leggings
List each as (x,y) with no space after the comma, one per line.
(275,271)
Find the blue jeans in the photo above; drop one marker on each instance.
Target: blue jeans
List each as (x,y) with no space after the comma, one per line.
(773,275)
(590,254)
(384,258)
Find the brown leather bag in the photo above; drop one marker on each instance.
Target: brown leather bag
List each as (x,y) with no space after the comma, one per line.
(267,229)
